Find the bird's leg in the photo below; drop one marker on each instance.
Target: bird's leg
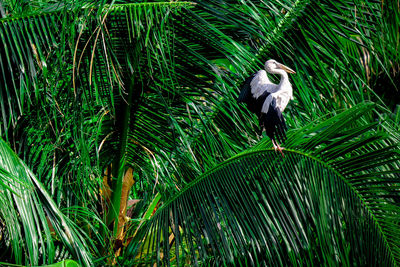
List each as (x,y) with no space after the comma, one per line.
(278,147)
(274,144)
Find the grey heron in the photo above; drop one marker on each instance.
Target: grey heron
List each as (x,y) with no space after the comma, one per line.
(268,100)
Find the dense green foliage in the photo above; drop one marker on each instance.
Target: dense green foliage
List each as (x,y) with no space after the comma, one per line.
(149,88)
(328,201)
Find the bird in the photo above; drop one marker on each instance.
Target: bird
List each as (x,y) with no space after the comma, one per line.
(268,100)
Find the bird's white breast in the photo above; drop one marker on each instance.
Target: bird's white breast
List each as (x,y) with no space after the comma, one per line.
(283,96)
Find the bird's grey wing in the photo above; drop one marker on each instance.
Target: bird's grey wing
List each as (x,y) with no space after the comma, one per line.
(267,103)
(261,84)
(260,78)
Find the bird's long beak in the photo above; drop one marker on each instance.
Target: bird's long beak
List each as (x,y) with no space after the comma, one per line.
(287,69)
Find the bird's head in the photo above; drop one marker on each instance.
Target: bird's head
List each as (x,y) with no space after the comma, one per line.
(272,65)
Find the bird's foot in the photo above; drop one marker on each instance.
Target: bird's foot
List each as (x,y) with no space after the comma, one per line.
(280,149)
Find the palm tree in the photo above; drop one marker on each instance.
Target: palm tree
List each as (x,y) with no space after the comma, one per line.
(111,101)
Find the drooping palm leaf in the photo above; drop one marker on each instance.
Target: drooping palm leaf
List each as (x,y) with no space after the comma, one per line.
(32,219)
(333,199)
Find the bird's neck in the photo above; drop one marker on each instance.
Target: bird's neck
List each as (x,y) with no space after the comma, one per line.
(283,74)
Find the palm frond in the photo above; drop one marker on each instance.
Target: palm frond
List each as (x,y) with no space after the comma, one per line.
(32,219)
(314,206)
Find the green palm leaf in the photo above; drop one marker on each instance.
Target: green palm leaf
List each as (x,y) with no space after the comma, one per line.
(27,213)
(333,199)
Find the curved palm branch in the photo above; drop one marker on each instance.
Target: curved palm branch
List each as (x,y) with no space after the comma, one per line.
(333,199)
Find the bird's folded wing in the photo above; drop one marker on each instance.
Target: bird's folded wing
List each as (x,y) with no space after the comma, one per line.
(267,103)
(261,84)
